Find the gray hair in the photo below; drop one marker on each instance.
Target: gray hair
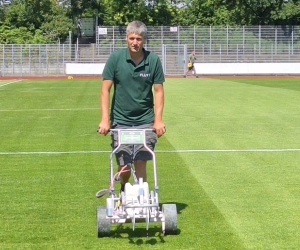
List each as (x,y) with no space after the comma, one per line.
(137,27)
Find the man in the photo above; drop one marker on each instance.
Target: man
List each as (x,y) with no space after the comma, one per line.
(191,61)
(133,72)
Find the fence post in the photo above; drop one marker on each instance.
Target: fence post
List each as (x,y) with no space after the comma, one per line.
(70,44)
(21,57)
(185,57)
(243,39)
(289,52)
(271,52)
(46,58)
(259,39)
(275,45)
(3,53)
(2,66)
(254,50)
(202,52)
(76,54)
(163,53)
(93,49)
(292,40)
(194,38)
(12,58)
(29,58)
(113,38)
(162,34)
(178,39)
(209,40)
(227,38)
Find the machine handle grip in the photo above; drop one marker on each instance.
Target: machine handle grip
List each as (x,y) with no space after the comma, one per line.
(148,129)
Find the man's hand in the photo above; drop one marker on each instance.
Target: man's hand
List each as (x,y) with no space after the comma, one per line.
(160,128)
(103,128)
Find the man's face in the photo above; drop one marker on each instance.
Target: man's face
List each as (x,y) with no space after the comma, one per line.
(135,42)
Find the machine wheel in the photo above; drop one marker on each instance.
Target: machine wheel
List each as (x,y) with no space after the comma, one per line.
(170,215)
(103,224)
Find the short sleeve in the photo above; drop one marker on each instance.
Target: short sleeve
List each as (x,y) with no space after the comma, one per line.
(158,73)
(109,68)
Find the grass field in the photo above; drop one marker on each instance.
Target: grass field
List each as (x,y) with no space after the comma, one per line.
(230,160)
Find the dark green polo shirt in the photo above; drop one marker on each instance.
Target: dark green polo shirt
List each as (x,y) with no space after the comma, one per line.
(132,102)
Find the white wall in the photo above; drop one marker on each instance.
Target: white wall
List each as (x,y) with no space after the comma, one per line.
(247,68)
(84,68)
(203,68)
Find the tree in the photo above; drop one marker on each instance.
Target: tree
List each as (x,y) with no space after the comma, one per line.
(288,13)
(57,25)
(207,12)
(33,19)
(269,12)
(121,12)
(241,12)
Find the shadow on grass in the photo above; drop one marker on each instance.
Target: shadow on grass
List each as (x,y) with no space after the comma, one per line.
(140,235)
(179,206)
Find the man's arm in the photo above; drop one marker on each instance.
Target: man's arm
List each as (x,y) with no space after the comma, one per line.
(158,125)
(104,125)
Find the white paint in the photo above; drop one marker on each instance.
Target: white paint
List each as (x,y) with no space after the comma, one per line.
(160,151)
(10,83)
(204,68)
(54,109)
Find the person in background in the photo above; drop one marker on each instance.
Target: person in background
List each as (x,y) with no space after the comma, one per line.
(191,67)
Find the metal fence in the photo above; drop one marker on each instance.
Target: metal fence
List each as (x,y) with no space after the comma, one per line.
(222,44)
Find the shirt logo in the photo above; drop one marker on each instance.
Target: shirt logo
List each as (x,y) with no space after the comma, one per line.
(144,75)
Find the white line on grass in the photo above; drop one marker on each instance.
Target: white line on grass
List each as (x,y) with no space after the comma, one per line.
(60,109)
(158,151)
(229,150)
(55,152)
(10,83)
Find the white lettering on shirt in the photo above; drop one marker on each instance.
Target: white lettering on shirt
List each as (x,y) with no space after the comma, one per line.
(144,75)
